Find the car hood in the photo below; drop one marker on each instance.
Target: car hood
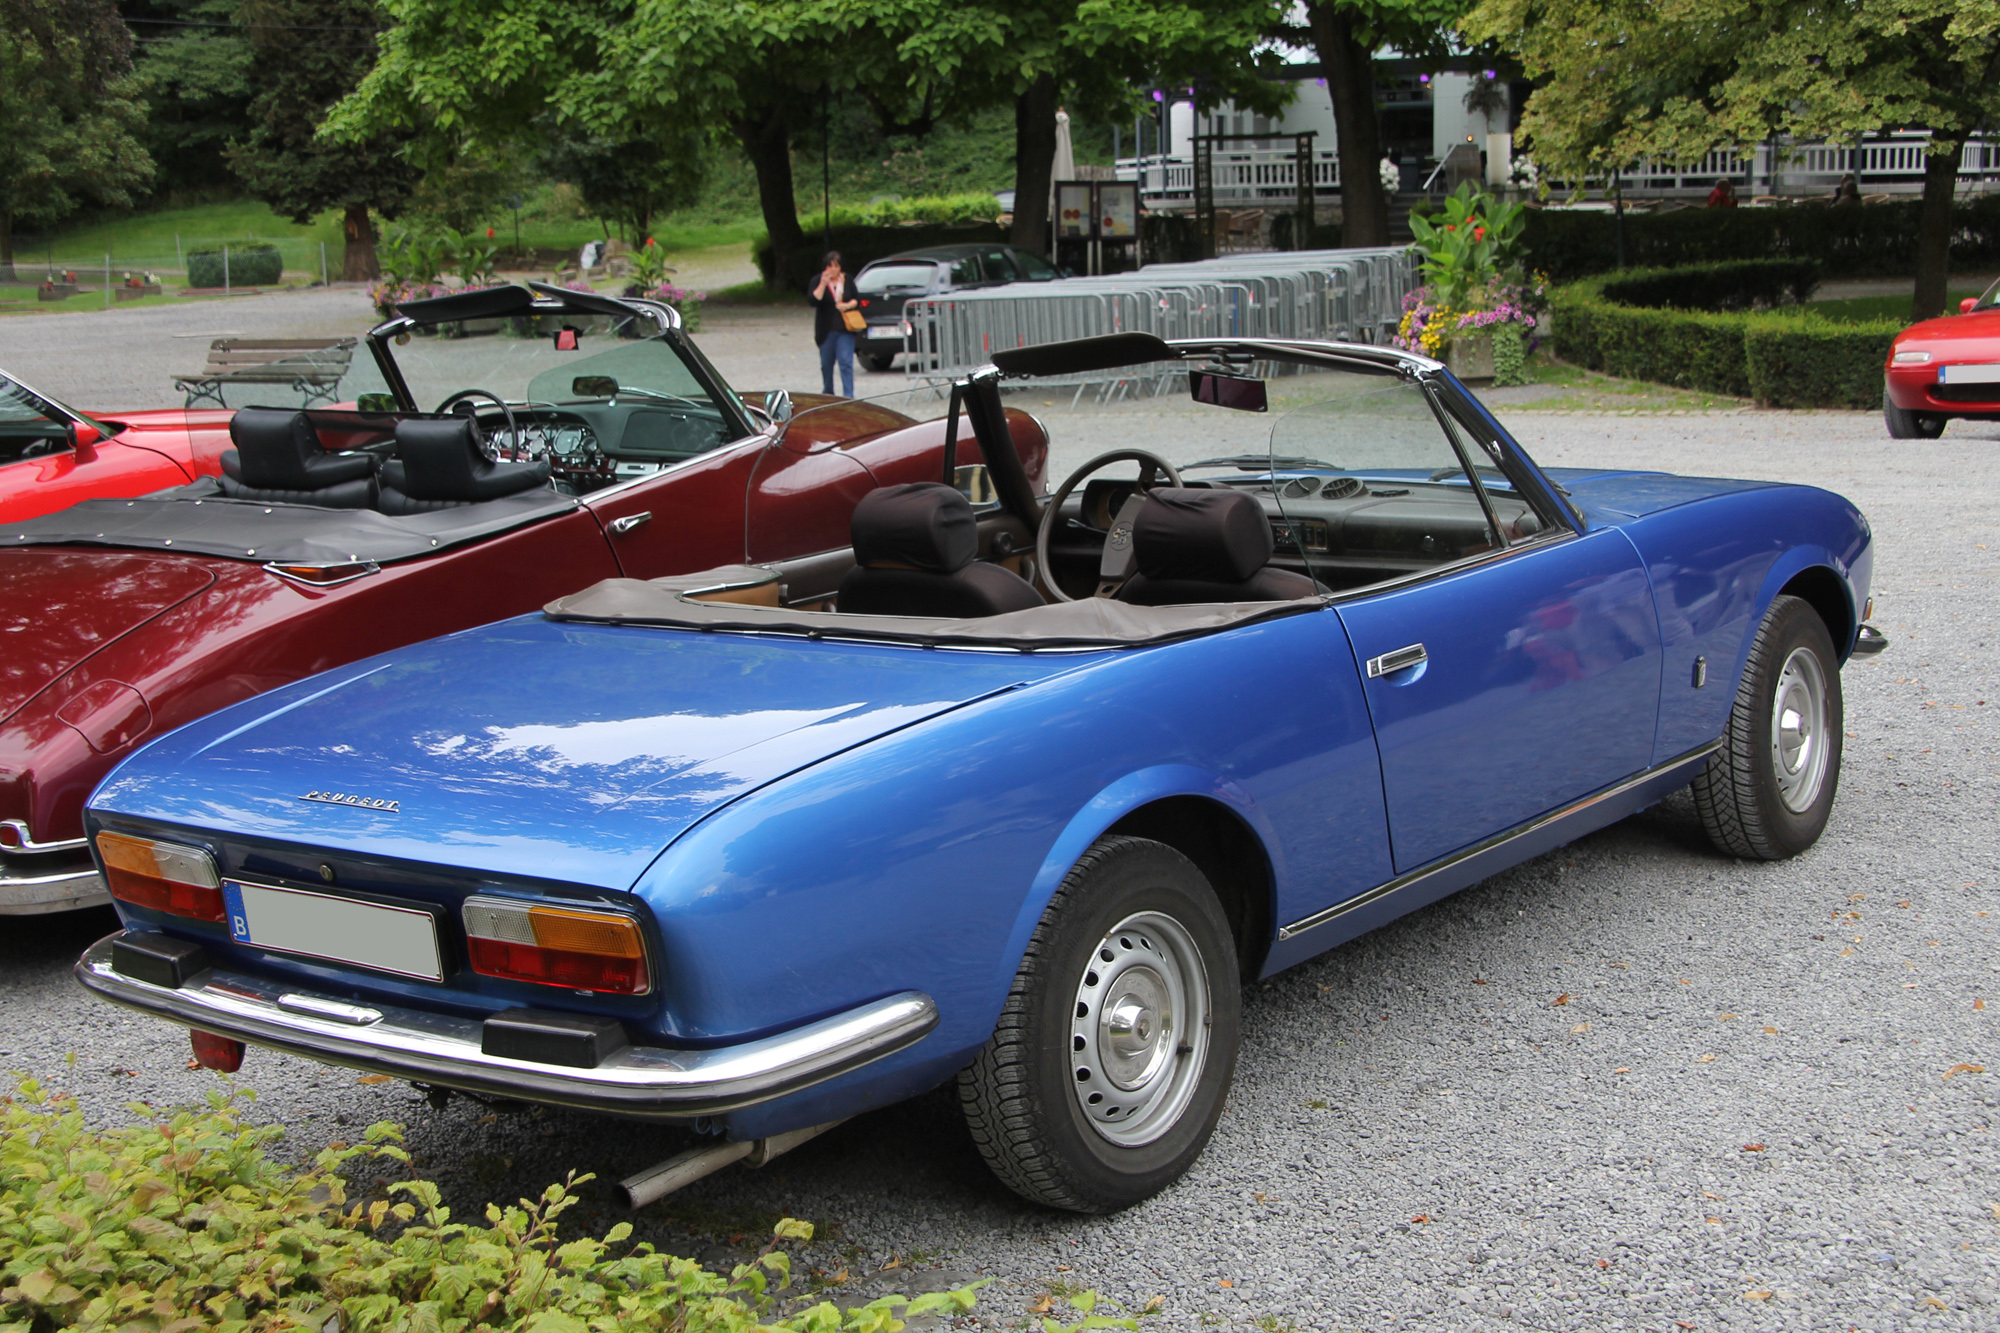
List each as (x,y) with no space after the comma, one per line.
(1636,494)
(59,607)
(562,751)
(1979,327)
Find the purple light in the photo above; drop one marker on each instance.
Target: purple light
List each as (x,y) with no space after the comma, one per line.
(1491,75)
(1159,96)
(1423,78)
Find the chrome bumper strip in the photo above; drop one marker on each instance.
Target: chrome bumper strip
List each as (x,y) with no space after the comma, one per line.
(1869,641)
(1535,825)
(32,886)
(648,1081)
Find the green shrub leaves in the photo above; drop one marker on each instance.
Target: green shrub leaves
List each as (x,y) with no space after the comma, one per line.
(185,1223)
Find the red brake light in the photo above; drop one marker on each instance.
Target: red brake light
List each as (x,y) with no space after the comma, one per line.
(163,876)
(576,948)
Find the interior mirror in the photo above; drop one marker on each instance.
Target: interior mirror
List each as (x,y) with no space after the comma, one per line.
(975,483)
(568,338)
(375,402)
(1240,392)
(778,406)
(1965,306)
(594,386)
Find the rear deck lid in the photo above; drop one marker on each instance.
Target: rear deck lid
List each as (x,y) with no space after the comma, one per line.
(59,607)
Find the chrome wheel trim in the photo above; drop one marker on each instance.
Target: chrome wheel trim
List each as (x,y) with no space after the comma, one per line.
(1138,1036)
(1799,741)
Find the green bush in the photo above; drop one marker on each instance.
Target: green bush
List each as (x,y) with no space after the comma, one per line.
(1779,358)
(859,246)
(1802,361)
(252,264)
(1866,240)
(939,209)
(186,1223)
(1735,285)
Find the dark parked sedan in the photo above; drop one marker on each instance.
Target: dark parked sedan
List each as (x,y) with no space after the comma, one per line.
(887,284)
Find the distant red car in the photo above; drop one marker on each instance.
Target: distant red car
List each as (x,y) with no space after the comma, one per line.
(52,456)
(1944,368)
(574,438)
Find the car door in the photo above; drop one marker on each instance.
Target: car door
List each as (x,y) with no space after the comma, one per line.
(1514,665)
(687,518)
(42,471)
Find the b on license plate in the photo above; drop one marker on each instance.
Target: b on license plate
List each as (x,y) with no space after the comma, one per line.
(1969,374)
(401,940)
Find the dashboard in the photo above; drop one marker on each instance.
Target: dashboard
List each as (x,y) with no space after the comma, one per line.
(590,446)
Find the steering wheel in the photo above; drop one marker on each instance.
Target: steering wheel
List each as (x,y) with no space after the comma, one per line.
(1115,565)
(465,395)
(43,448)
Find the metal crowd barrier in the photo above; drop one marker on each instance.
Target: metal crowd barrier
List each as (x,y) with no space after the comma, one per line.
(1340,295)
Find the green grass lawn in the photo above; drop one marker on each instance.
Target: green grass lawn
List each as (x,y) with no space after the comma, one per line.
(1588,391)
(1863,309)
(147,241)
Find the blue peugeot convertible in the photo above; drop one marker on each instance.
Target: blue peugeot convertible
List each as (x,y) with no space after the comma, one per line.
(1017,792)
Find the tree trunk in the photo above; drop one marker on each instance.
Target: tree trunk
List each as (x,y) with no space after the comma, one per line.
(7,246)
(357,261)
(1034,160)
(1350,79)
(1934,228)
(766,134)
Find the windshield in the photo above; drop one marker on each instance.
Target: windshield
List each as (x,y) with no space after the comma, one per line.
(1033,267)
(878,278)
(1990,299)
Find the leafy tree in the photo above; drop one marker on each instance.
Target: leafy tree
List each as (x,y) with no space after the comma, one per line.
(309,55)
(69,119)
(1631,79)
(193,68)
(628,182)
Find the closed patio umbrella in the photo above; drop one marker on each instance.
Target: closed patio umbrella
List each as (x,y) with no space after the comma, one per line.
(1064,165)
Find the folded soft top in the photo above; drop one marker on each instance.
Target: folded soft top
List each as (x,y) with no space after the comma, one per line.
(1090,622)
(198,518)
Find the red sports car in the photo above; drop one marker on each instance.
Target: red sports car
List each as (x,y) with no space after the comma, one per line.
(570,438)
(52,456)
(1944,368)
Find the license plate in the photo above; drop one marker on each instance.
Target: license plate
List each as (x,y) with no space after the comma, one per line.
(401,940)
(1969,374)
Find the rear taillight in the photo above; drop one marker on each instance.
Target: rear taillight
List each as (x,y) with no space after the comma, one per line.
(164,876)
(572,947)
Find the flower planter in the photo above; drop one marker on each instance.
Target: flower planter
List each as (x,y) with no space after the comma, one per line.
(1470,357)
(56,291)
(134,293)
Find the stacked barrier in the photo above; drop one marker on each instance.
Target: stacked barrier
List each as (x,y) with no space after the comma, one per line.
(1338,295)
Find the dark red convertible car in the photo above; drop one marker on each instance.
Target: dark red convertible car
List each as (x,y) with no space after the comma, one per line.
(52,455)
(525,444)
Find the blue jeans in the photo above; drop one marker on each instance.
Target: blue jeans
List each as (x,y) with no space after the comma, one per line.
(837,347)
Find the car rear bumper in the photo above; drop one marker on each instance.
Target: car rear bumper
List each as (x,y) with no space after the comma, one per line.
(428,1047)
(40,884)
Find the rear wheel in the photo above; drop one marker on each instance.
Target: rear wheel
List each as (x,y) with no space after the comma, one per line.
(1108,1068)
(1907,425)
(1768,791)
(875,362)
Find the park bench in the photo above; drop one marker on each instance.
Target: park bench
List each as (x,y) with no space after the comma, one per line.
(313,367)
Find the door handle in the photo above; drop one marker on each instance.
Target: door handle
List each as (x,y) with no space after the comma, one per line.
(620,526)
(1400,660)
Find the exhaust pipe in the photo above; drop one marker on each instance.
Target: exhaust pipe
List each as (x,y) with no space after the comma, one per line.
(683,1169)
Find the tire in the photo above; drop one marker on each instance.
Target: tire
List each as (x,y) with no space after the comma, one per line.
(879,363)
(1134,921)
(1766,794)
(1907,425)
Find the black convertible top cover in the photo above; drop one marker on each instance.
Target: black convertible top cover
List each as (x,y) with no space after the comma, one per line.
(1089,622)
(197,518)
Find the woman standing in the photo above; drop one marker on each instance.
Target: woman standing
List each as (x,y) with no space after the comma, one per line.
(831,300)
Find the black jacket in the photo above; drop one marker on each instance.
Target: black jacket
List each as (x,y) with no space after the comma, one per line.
(826,315)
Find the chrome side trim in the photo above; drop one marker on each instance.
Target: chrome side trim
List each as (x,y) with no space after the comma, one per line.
(432,1047)
(1536,825)
(25,841)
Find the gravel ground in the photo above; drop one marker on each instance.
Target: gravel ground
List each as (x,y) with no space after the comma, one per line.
(1629,1085)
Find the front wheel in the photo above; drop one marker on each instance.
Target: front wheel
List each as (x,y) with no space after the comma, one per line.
(1108,1068)
(1907,425)
(1767,793)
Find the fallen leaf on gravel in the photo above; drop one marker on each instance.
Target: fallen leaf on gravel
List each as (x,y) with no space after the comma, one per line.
(488,1119)
(373,1078)
(1965,1069)
(1622,1069)
(1224,1282)
(194,1064)
(1979,1004)
(1477,982)
(1904,903)
(896,1262)
(1753,1147)
(1154,1306)
(1686,982)
(1932,1300)
(1845,952)
(1043,1306)
(1716,1220)
(1770,1031)
(1682,1323)
(1604,1263)
(1560,999)
(840,1279)
(1706,1195)
(1704,1059)
(1580,1027)
(1756,1295)
(1421,1217)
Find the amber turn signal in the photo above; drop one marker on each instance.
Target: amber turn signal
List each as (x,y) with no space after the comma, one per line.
(163,876)
(576,948)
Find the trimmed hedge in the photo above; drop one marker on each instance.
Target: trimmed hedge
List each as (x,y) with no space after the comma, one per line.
(1743,285)
(1856,241)
(252,264)
(859,246)
(1779,358)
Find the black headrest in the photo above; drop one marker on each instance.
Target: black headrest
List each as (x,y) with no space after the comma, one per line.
(279,450)
(1217,535)
(441,460)
(922,524)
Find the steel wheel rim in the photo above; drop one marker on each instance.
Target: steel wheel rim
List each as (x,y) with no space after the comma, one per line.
(1138,1038)
(1799,741)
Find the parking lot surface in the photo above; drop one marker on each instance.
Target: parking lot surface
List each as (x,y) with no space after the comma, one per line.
(1631,1084)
